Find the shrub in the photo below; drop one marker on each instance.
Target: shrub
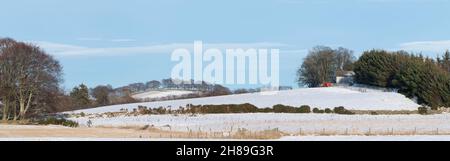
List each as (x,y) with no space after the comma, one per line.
(422,110)
(304,109)
(265,110)
(327,110)
(228,108)
(143,110)
(342,110)
(279,108)
(58,121)
(315,110)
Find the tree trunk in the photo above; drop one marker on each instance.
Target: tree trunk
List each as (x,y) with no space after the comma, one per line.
(5,110)
(26,107)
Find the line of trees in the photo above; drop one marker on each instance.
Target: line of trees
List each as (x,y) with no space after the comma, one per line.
(29,80)
(82,97)
(169,84)
(415,76)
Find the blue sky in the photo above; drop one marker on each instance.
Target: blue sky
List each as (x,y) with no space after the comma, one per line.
(121,42)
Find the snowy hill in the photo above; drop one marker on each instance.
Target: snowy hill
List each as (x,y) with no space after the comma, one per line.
(160,94)
(314,97)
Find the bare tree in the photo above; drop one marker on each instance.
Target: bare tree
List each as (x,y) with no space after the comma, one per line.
(7,91)
(344,59)
(318,67)
(101,94)
(25,72)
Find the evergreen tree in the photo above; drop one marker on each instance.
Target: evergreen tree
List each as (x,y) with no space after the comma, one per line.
(445,62)
(80,96)
(414,76)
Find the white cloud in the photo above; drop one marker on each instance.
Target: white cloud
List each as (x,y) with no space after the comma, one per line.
(59,49)
(426,46)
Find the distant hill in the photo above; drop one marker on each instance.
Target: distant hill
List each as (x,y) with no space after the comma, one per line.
(314,97)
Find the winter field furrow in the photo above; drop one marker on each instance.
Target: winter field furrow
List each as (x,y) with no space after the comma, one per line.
(314,97)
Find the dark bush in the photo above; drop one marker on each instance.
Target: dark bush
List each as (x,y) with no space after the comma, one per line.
(304,109)
(58,121)
(279,108)
(327,110)
(315,110)
(342,110)
(231,108)
(143,110)
(422,110)
(265,110)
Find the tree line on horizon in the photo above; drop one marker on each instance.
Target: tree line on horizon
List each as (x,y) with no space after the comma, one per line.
(83,97)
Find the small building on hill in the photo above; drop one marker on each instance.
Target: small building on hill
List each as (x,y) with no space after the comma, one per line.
(345,77)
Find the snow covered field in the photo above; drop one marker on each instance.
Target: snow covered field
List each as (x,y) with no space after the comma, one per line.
(368,138)
(314,97)
(305,124)
(286,138)
(160,94)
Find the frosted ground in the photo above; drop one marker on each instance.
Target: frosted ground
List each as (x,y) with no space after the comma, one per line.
(286,138)
(314,97)
(323,124)
(300,126)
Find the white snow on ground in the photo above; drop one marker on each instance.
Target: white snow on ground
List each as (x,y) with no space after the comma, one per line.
(314,97)
(291,123)
(114,139)
(160,94)
(368,138)
(286,138)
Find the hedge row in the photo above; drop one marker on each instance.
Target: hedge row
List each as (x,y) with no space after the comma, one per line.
(237,108)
